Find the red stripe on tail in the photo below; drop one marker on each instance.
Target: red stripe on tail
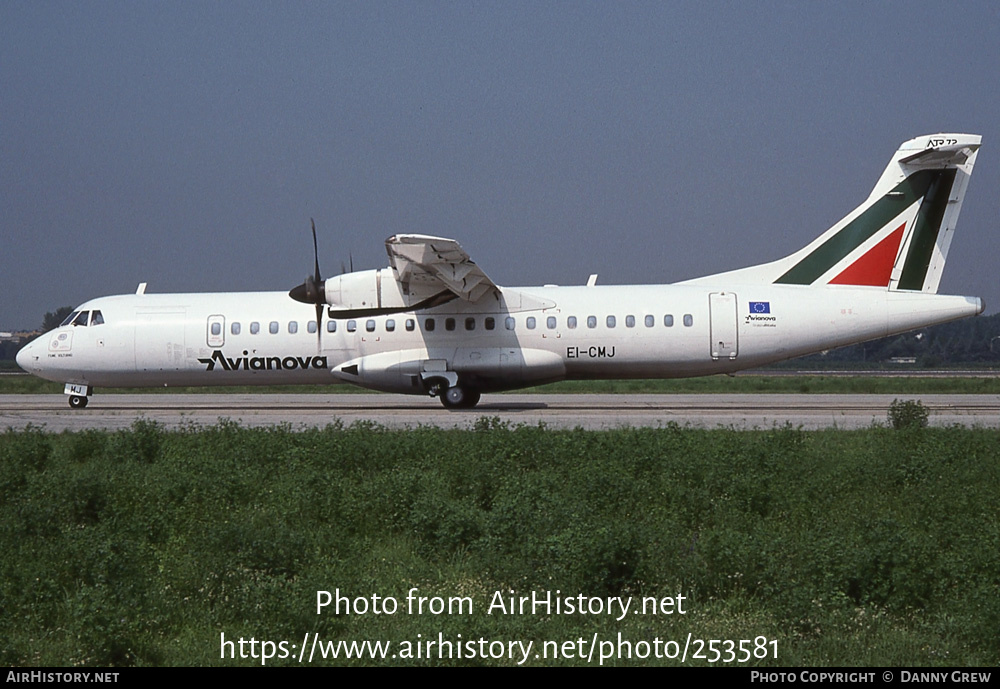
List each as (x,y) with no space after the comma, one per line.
(875,267)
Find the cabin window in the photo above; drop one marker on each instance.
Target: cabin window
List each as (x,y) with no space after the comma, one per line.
(429,325)
(611,321)
(293,327)
(390,325)
(490,323)
(272,327)
(370,325)
(82,318)
(216,328)
(650,321)
(629,321)
(508,322)
(688,320)
(530,323)
(591,321)
(331,326)
(550,322)
(410,325)
(234,328)
(352,326)
(449,324)
(96,318)
(69,319)
(311,327)
(254,328)
(470,323)
(571,322)
(668,320)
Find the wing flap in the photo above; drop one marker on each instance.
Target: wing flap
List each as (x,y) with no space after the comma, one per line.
(424,265)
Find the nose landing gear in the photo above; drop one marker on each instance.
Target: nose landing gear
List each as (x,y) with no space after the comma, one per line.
(79,394)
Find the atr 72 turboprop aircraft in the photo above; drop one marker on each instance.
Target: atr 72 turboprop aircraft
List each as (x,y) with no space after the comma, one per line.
(433,323)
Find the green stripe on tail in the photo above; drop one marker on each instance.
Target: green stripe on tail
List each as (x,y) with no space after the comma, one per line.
(856,232)
(925,231)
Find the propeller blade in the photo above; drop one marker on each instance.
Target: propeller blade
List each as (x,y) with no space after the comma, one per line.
(344,268)
(317,282)
(312,290)
(315,250)
(319,324)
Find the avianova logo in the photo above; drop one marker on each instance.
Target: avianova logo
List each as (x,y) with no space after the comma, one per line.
(262,363)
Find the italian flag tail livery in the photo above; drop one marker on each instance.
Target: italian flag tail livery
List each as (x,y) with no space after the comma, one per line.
(898,239)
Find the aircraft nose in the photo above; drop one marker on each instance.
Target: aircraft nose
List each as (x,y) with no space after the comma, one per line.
(24,356)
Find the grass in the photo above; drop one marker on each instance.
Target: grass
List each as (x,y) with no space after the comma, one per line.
(815,384)
(142,547)
(988,384)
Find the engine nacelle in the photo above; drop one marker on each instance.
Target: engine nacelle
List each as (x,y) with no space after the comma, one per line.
(366,289)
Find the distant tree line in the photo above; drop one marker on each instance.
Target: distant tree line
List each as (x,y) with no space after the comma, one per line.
(974,341)
(52,319)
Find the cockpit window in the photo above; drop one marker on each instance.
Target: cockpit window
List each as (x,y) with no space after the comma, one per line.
(69,318)
(82,318)
(96,318)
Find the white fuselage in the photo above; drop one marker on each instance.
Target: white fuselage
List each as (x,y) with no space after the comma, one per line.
(433,322)
(525,337)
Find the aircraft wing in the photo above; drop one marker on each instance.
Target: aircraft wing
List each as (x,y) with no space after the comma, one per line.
(425,265)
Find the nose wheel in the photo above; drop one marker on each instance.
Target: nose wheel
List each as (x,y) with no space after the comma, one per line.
(79,394)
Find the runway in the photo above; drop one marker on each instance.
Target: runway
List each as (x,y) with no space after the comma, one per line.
(587,411)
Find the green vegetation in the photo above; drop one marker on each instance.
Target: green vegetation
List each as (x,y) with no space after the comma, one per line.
(53,319)
(969,341)
(814,384)
(876,547)
(740,384)
(908,414)
(31,385)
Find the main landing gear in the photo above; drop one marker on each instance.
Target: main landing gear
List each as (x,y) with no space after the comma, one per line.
(458,397)
(454,396)
(78,401)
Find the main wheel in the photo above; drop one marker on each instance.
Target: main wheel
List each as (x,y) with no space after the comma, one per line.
(78,401)
(460,398)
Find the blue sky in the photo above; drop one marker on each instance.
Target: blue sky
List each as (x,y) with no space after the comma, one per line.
(187,144)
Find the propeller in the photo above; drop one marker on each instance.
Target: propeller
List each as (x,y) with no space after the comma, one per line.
(312,291)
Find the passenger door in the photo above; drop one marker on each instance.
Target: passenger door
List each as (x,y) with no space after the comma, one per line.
(724,325)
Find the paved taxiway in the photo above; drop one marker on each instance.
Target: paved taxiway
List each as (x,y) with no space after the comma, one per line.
(113,411)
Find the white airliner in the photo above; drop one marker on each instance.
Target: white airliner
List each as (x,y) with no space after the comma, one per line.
(433,323)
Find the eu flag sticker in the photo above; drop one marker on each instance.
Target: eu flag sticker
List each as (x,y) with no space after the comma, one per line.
(760,307)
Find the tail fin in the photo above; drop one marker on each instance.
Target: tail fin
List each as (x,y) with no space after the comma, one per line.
(899,237)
